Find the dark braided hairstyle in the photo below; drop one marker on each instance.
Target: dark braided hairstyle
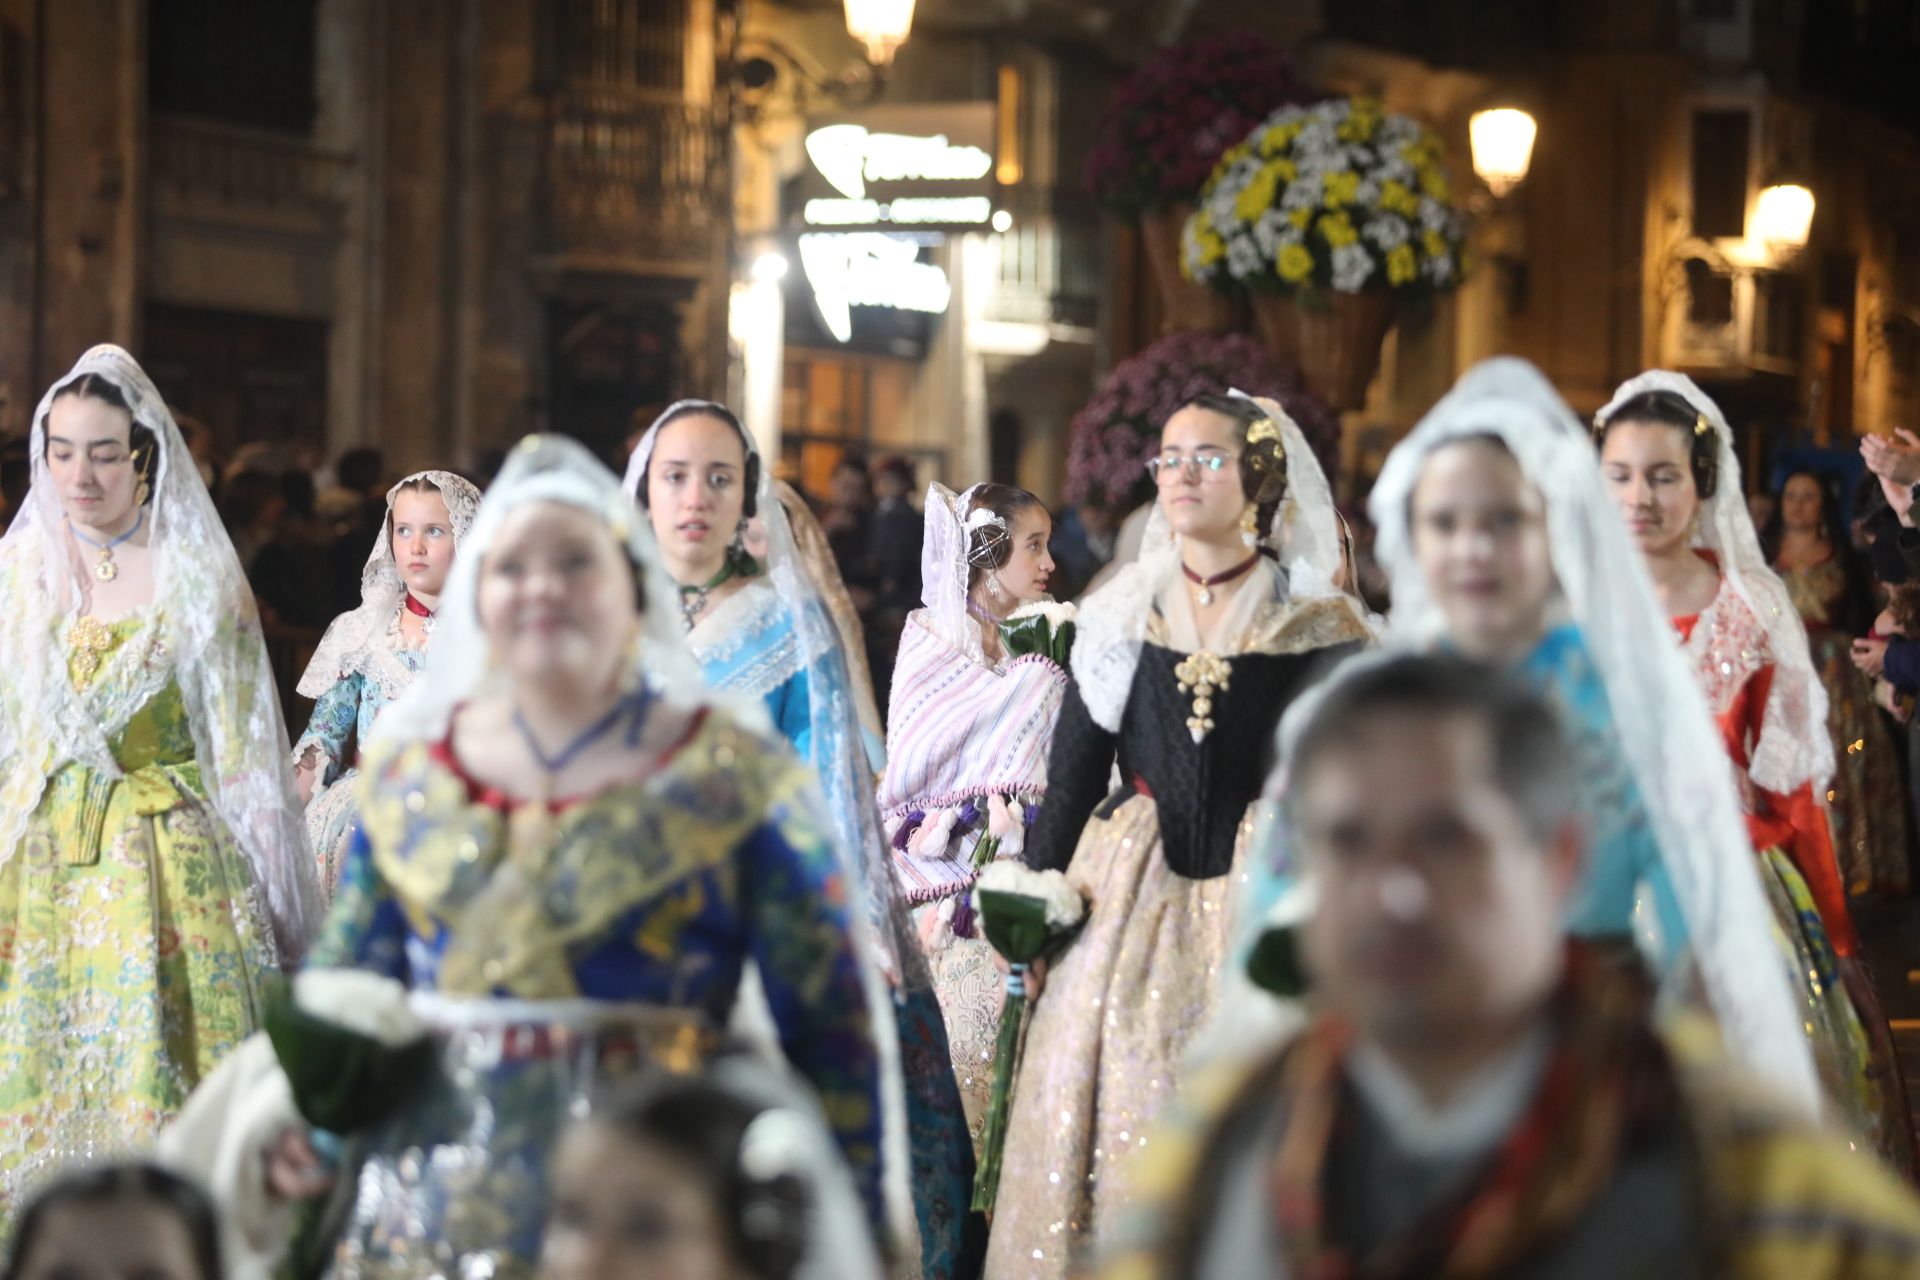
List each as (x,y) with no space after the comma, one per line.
(1671,409)
(1263,463)
(989,549)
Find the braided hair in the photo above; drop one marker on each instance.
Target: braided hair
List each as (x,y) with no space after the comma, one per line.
(990,545)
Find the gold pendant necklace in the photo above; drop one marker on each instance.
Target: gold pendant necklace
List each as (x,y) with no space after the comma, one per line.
(105,569)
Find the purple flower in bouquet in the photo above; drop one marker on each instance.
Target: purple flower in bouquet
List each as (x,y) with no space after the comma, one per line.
(1170,120)
(1115,433)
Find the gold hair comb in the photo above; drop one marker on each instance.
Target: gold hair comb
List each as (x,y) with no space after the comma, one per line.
(1700,426)
(1264,430)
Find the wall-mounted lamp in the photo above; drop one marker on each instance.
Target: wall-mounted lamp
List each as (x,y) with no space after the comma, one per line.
(881,25)
(1502,139)
(1782,217)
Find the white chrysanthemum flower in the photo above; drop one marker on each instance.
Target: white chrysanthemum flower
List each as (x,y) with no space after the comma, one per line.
(1434,216)
(363,1002)
(1243,257)
(1266,231)
(1388,232)
(1057,612)
(1305,192)
(1352,264)
(1065,906)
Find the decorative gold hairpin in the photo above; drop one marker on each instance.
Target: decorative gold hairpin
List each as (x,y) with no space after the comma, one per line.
(1700,424)
(1263,430)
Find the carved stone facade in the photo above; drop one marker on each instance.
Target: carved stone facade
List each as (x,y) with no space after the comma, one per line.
(454,221)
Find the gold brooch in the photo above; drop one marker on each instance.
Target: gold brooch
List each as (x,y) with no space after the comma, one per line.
(1205,674)
(90,640)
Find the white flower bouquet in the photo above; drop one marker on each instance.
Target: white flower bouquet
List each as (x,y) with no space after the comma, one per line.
(1027,916)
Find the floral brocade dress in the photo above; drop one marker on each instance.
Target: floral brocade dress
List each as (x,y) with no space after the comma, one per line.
(556,953)
(341,725)
(1870,837)
(133,939)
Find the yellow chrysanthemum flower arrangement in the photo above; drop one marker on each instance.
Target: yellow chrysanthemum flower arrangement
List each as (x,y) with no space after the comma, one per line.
(1339,195)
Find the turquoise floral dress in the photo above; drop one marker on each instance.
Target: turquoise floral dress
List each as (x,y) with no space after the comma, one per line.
(341,724)
(617,938)
(747,644)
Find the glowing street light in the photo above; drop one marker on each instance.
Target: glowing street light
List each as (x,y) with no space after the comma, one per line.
(881,25)
(1783,215)
(1502,140)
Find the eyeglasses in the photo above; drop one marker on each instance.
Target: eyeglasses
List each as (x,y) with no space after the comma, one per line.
(1196,467)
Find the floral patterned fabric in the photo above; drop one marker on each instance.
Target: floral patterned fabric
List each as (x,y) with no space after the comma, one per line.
(653,894)
(133,941)
(342,721)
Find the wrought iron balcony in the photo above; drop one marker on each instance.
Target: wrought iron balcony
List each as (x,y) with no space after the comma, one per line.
(1049,271)
(207,170)
(635,181)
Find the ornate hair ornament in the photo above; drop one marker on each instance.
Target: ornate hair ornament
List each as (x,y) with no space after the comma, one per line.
(986,529)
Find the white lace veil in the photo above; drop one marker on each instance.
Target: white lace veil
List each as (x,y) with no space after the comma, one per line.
(206,638)
(838,752)
(348,638)
(1666,734)
(541,469)
(1112,621)
(1794,746)
(838,755)
(945,571)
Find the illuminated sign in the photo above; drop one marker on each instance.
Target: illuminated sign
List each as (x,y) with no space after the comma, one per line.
(869,269)
(879,184)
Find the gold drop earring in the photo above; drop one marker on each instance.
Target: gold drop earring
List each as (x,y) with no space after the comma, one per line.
(1250,526)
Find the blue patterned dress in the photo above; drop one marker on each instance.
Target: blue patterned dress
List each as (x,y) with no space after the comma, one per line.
(341,724)
(620,940)
(747,644)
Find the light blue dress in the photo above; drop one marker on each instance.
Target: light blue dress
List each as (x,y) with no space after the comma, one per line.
(1623,858)
(340,727)
(749,644)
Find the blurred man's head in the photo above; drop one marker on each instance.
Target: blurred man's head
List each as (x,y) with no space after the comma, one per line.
(1433,801)
(892,479)
(851,487)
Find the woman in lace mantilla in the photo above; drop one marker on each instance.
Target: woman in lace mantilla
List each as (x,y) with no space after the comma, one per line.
(1502,542)
(761,630)
(1667,455)
(1182,666)
(153,872)
(369,656)
(569,853)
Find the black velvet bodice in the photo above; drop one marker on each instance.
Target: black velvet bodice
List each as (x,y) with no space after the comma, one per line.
(1201,790)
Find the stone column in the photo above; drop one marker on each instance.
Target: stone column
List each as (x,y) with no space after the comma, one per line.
(92,199)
